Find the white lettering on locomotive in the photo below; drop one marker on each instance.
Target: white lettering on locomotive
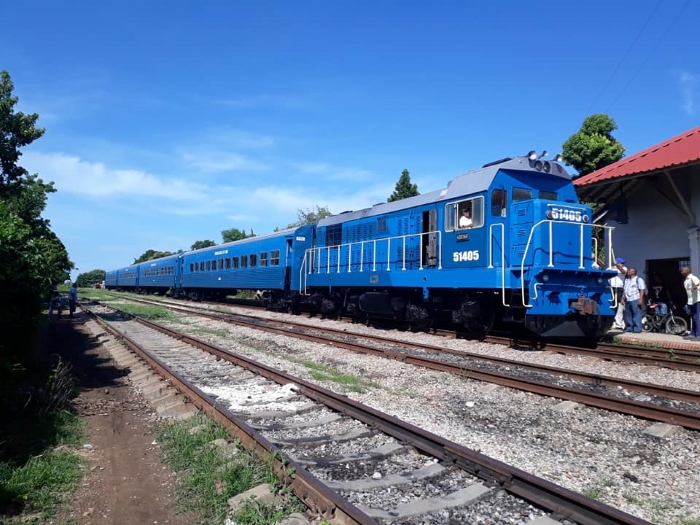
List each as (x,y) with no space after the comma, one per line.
(468,255)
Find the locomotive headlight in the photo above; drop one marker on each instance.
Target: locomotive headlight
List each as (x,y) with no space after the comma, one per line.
(547,167)
(538,165)
(545,278)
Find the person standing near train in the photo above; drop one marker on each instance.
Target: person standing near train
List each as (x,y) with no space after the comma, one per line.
(634,289)
(691,284)
(617,284)
(73,298)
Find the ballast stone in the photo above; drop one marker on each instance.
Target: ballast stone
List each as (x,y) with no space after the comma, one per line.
(662,430)
(261,494)
(544,520)
(566,406)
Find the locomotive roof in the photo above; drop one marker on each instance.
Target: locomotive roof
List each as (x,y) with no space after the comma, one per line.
(474,181)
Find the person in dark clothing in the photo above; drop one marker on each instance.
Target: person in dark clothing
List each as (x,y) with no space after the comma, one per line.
(659,298)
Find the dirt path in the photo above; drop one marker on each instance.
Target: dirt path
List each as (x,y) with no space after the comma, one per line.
(125,482)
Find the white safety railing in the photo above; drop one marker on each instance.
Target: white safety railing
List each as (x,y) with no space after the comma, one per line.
(314,258)
(582,247)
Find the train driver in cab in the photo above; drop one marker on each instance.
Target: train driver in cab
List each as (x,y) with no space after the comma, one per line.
(465,221)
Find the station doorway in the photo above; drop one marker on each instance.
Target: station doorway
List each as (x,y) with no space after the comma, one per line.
(669,272)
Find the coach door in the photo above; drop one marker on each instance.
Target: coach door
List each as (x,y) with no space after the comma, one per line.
(181,271)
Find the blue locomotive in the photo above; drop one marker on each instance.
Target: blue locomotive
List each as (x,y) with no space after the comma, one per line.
(505,243)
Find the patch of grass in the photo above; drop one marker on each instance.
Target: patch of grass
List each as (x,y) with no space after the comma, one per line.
(598,490)
(39,484)
(218,332)
(257,513)
(321,372)
(688,521)
(149,312)
(208,481)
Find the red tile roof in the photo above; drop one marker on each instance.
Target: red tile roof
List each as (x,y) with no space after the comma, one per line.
(677,151)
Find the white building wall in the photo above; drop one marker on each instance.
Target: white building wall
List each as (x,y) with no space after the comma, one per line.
(656,228)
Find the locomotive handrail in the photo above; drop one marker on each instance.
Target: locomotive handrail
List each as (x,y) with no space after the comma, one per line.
(318,257)
(503,258)
(551,250)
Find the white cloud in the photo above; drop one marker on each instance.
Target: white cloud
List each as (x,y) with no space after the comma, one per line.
(331,172)
(214,160)
(94,179)
(688,83)
(263,100)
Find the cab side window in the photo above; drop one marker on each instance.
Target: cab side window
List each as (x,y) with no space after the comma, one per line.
(499,203)
(465,214)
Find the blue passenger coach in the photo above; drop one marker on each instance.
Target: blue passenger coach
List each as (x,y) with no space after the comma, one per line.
(265,263)
(159,275)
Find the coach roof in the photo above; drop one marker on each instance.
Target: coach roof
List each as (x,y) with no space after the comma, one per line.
(472,182)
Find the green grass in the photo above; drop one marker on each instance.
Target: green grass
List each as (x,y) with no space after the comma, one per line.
(321,372)
(149,312)
(207,481)
(33,485)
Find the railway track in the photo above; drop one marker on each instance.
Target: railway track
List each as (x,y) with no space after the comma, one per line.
(352,464)
(653,402)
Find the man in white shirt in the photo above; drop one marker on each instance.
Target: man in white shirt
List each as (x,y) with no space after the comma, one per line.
(691,284)
(465,221)
(617,284)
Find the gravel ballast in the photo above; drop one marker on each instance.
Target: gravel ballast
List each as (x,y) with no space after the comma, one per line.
(601,454)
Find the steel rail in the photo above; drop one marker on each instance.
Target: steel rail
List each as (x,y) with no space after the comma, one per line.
(565,503)
(317,496)
(644,410)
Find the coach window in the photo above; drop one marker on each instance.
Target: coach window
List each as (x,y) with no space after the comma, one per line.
(234,262)
(548,195)
(263,259)
(228,263)
(208,266)
(499,200)
(521,194)
(244,261)
(196,267)
(454,211)
(275,258)
(221,264)
(253,260)
(213,265)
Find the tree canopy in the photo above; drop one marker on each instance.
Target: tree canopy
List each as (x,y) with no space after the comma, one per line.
(149,255)
(310,216)
(87,279)
(404,188)
(198,245)
(593,146)
(32,255)
(234,234)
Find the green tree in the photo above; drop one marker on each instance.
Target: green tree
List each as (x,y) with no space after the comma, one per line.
(310,216)
(198,245)
(32,255)
(149,255)
(404,188)
(234,234)
(87,279)
(17,130)
(593,146)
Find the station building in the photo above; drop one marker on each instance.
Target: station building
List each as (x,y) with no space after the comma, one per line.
(652,199)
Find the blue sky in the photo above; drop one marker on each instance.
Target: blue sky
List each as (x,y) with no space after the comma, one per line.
(168,122)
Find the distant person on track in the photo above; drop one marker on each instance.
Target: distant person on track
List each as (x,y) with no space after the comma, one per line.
(634,289)
(617,284)
(691,284)
(73,298)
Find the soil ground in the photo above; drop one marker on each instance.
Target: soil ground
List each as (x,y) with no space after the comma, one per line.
(125,481)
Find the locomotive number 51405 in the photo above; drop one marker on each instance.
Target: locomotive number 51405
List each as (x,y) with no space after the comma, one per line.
(468,255)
